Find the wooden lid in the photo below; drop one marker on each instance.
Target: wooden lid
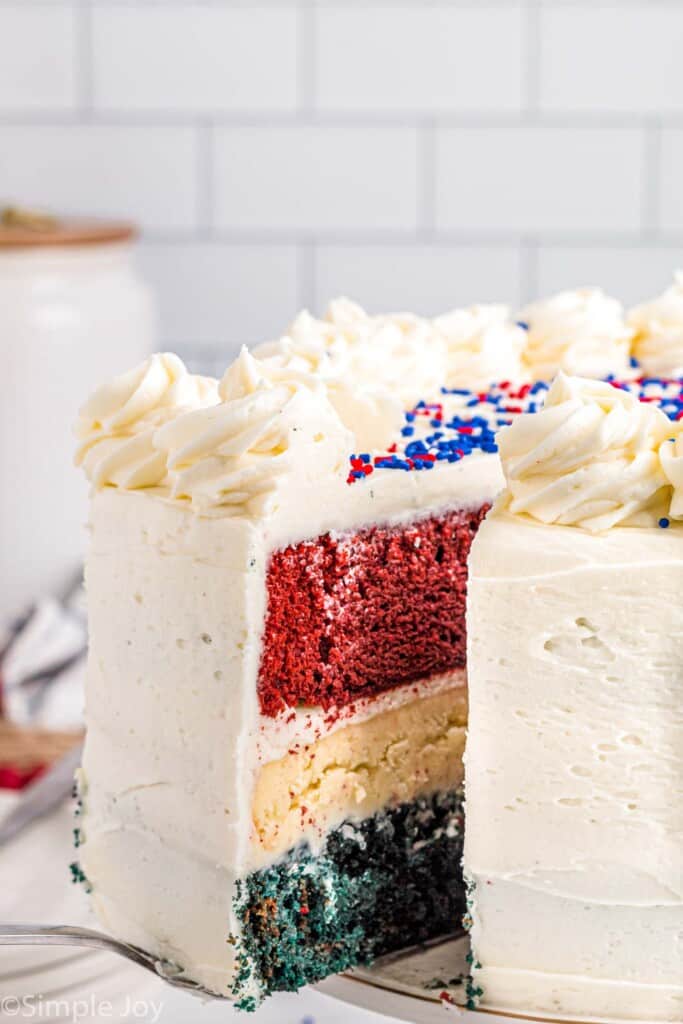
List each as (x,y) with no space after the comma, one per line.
(24,749)
(21,228)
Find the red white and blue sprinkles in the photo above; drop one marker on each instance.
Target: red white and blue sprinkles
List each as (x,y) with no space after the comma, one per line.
(460,423)
(463,422)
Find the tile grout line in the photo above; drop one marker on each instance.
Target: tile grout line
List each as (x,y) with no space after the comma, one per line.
(341,238)
(651,185)
(206,214)
(306,58)
(306,274)
(531,57)
(426,179)
(358,4)
(28,117)
(528,284)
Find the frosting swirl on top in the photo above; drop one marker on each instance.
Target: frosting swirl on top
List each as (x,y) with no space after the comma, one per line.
(399,355)
(658,327)
(580,332)
(403,353)
(116,425)
(483,344)
(339,351)
(590,458)
(237,455)
(671,454)
(310,345)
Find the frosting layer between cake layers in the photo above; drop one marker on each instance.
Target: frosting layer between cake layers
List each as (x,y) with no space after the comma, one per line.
(575,769)
(179,762)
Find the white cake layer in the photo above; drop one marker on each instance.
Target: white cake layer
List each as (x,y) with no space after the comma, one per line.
(574,774)
(176,606)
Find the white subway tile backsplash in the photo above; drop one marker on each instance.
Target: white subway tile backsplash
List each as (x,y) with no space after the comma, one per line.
(670,212)
(195,58)
(629,272)
(419,58)
(411,154)
(426,279)
(146,173)
(539,178)
(222,296)
(310,178)
(612,57)
(38,58)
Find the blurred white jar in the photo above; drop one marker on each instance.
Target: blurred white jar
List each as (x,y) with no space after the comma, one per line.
(72,314)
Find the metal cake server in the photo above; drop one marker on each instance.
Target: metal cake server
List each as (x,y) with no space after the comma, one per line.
(39,798)
(42,795)
(66,935)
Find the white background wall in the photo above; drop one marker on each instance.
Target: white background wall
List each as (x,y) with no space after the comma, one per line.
(412,154)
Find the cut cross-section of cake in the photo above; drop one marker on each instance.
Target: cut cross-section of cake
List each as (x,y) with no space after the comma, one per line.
(574,849)
(271,786)
(276,699)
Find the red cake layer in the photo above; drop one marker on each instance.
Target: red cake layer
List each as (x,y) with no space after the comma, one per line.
(351,615)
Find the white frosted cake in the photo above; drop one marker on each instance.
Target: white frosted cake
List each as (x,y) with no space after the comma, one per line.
(276,700)
(574,841)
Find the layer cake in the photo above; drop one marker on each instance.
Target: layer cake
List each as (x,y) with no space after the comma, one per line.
(272,780)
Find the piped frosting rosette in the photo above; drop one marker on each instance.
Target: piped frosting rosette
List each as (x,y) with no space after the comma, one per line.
(116,425)
(358,363)
(483,344)
(376,365)
(581,332)
(593,457)
(273,430)
(658,327)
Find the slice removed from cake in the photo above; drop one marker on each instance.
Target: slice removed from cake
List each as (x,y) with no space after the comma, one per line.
(574,781)
(276,701)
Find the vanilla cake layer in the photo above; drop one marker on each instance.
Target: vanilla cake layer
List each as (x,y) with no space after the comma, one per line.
(410,750)
(574,775)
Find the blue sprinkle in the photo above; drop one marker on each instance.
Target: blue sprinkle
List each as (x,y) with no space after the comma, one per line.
(408,431)
(663,522)
(523,324)
(633,363)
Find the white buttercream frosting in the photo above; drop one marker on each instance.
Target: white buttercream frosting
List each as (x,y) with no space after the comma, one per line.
(398,354)
(574,758)
(671,455)
(658,327)
(322,348)
(483,344)
(403,355)
(397,351)
(116,425)
(581,332)
(592,457)
(272,426)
